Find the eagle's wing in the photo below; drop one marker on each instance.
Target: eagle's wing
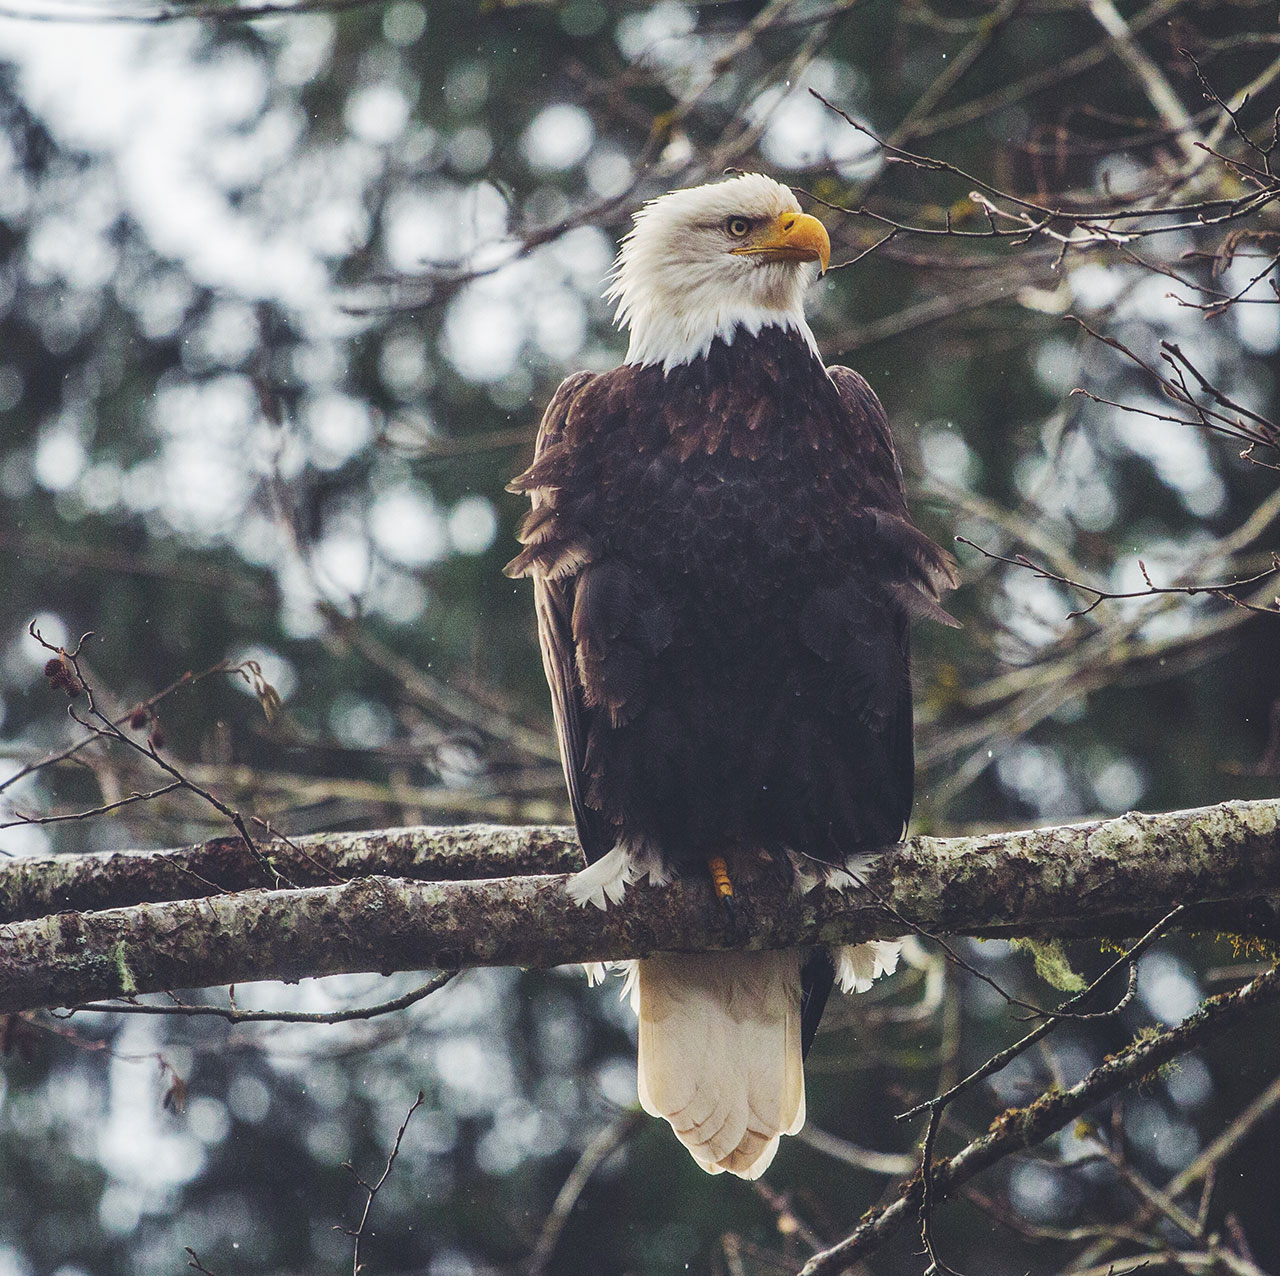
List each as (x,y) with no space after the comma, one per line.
(858,624)
(554,555)
(861,626)
(913,558)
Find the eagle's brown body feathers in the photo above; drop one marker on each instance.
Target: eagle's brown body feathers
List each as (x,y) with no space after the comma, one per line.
(726,572)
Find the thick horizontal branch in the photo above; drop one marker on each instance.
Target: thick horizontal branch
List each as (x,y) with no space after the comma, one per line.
(1107,878)
(33,886)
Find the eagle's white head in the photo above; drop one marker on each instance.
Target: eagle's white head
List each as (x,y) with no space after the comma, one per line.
(711,261)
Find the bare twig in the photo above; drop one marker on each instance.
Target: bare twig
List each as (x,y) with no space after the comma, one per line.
(892,1163)
(1225,592)
(144,707)
(605,1143)
(372,1189)
(234,1015)
(1094,224)
(936,1106)
(1201,1169)
(106,808)
(195,9)
(193,1261)
(1236,422)
(65,671)
(1025,1127)
(1157,88)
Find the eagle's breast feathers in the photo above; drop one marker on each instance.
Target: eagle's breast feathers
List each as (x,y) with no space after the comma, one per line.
(725,571)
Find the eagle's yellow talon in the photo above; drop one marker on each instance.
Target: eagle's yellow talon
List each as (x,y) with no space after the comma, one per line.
(720,882)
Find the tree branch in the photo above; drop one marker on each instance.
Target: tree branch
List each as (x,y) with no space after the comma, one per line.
(32,886)
(1105,878)
(1025,1127)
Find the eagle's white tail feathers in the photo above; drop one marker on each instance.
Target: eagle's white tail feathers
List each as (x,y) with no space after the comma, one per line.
(603,883)
(720,1053)
(859,965)
(597,971)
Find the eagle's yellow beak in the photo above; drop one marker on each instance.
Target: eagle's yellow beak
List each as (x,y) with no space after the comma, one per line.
(792,237)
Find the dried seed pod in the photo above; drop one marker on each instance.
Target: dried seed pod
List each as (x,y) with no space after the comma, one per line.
(175,1097)
(62,676)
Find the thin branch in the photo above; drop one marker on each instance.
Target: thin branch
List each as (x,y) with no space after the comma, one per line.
(1202,1168)
(435,695)
(891,1163)
(1205,212)
(193,1261)
(1021,1128)
(1003,1058)
(66,671)
(1246,426)
(605,1143)
(1211,94)
(372,1189)
(146,706)
(21,819)
(233,1015)
(1157,88)
(958,66)
(177,12)
(1037,81)
(1117,644)
(937,1106)
(1226,592)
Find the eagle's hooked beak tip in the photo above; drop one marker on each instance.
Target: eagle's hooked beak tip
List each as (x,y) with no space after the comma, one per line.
(793,237)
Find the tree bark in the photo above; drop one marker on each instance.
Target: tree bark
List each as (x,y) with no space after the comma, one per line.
(208,919)
(35,886)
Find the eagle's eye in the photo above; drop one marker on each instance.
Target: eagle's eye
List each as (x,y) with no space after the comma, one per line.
(737,226)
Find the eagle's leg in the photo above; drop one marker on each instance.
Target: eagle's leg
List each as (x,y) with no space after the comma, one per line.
(722,885)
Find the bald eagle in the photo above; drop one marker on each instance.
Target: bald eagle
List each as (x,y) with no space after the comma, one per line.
(724,572)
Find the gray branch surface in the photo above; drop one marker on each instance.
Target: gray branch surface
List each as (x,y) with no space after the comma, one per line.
(419,898)
(35,886)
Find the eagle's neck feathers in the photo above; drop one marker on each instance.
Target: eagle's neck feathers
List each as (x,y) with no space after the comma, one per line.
(673,338)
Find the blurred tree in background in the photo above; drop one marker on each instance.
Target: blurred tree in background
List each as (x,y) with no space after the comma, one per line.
(282,293)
